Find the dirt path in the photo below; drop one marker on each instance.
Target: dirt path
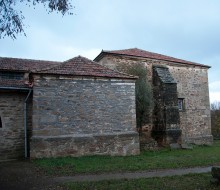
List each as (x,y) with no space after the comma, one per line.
(22,175)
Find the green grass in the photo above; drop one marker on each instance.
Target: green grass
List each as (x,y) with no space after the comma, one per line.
(147,160)
(186,182)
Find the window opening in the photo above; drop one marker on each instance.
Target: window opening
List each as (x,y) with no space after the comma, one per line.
(181,104)
(0,122)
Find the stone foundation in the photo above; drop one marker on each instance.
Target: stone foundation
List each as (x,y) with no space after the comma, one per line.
(121,144)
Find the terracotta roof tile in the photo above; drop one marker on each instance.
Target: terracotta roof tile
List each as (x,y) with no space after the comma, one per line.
(135,52)
(25,65)
(21,65)
(81,66)
(78,66)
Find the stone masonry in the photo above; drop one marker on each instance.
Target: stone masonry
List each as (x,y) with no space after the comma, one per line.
(12,131)
(74,116)
(192,87)
(71,108)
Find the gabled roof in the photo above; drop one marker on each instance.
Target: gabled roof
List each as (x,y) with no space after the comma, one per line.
(81,66)
(135,52)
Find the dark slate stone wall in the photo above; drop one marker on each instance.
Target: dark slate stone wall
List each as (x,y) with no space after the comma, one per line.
(83,111)
(166,128)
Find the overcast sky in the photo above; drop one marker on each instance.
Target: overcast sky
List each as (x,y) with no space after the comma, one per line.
(183,29)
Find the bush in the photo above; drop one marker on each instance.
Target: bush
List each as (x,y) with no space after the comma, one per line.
(143,91)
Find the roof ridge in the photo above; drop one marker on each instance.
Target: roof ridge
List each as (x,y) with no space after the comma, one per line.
(120,49)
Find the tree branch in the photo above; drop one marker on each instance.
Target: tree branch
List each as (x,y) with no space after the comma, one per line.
(11,20)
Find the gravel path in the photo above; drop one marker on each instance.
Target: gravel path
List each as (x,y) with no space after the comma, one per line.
(133,175)
(23,175)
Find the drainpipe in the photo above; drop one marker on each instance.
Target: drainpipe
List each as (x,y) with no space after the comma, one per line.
(25,123)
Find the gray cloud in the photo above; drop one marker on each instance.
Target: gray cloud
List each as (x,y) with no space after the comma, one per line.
(184,29)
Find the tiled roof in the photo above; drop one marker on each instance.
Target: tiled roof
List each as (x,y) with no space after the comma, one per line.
(81,66)
(78,66)
(21,65)
(25,65)
(135,52)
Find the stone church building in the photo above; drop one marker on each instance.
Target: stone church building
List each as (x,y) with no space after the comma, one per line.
(83,107)
(181,110)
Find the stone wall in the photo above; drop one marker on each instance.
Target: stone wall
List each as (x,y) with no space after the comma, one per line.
(192,86)
(83,116)
(12,131)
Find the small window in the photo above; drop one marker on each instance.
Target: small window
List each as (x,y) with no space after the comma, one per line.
(0,122)
(181,104)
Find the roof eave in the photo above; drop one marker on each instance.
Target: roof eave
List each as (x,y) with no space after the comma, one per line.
(98,57)
(93,76)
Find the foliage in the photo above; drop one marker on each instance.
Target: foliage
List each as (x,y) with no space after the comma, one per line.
(11,20)
(189,182)
(143,91)
(215,119)
(147,160)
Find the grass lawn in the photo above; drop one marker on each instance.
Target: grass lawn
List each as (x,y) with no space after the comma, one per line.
(186,182)
(147,160)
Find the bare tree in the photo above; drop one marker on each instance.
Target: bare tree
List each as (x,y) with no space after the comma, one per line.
(215,119)
(11,20)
